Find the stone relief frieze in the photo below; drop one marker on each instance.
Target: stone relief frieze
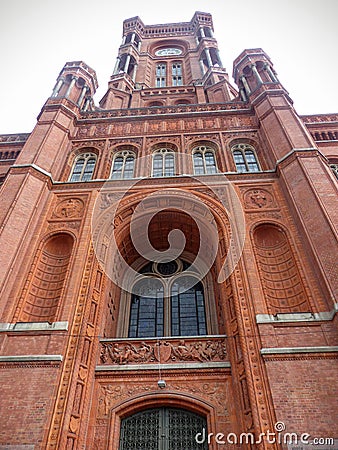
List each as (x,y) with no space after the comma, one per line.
(163,351)
(88,144)
(101,129)
(254,217)
(74,226)
(84,131)
(174,125)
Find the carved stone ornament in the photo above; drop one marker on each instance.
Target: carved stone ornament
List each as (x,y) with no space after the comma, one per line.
(69,225)
(69,208)
(126,141)
(74,424)
(163,139)
(163,351)
(258,199)
(83,131)
(88,144)
(218,393)
(201,137)
(101,130)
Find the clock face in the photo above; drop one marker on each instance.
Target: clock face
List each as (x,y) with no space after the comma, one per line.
(168,52)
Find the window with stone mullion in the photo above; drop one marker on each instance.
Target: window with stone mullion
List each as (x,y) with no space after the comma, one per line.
(83,168)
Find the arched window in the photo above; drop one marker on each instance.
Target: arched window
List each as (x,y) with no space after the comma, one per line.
(204,160)
(245,158)
(163,163)
(159,309)
(84,167)
(163,429)
(123,165)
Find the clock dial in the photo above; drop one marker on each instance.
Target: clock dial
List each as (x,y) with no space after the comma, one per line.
(168,52)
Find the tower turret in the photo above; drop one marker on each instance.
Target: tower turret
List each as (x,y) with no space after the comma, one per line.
(78,83)
(252,70)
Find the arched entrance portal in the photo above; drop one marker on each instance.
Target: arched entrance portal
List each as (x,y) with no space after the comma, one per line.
(166,321)
(162,429)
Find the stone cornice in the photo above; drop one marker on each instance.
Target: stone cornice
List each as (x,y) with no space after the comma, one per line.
(33,326)
(320,119)
(185,179)
(13,139)
(165,111)
(299,353)
(179,366)
(30,361)
(296,152)
(30,358)
(297,317)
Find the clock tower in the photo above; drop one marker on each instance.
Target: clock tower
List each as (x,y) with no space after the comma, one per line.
(172,64)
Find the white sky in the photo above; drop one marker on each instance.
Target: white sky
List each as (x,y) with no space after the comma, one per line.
(37,37)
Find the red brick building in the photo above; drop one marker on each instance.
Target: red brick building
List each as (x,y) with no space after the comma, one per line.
(168,265)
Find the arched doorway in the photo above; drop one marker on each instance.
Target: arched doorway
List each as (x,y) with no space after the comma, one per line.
(162,429)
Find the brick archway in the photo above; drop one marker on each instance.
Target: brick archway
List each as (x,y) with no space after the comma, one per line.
(193,407)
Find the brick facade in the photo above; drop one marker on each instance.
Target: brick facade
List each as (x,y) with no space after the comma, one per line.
(246,181)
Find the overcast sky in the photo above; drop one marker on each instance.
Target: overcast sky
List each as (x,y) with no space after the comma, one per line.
(37,37)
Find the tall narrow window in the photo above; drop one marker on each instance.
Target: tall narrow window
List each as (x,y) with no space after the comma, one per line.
(245,158)
(84,167)
(176,72)
(204,161)
(187,309)
(163,163)
(161,75)
(146,310)
(123,165)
